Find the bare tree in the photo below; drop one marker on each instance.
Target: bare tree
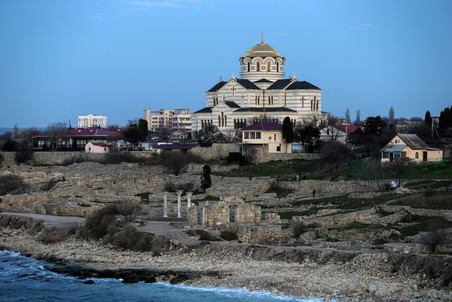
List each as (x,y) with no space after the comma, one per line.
(306,133)
(335,153)
(400,168)
(347,116)
(207,135)
(358,117)
(55,131)
(176,163)
(391,118)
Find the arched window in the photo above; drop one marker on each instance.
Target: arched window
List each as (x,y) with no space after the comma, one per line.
(248,66)
(268,66)
(417,155)
(277,66)
(258,66)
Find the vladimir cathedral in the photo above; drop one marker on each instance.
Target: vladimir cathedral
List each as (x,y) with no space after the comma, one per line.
(262,93)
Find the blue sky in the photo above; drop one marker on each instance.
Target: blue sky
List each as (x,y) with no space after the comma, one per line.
(60,59)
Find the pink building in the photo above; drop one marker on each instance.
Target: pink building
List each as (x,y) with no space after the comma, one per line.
(97,148)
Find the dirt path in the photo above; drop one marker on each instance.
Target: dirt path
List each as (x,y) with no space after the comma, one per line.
(163,228)
(52,221)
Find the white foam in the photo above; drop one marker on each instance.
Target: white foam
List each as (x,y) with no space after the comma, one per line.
(243,293)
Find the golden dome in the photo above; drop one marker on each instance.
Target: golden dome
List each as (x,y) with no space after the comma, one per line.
(262,50)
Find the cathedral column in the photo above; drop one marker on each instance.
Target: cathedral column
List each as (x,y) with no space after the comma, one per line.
(179,195)
(189,199)
(165,204)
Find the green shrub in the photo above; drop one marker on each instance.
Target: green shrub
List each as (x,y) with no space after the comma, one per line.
(12,184)
(184,186)
(24,157)
(235,158)
(430,192)
(229,235)
(103,221)
(298,229)
(48,185)
(203,235)
(73,160)
(431,202)
(53,235)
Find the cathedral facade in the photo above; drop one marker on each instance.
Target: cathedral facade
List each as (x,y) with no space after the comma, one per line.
(262,93)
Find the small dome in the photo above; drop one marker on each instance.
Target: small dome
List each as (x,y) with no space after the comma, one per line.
(262,50)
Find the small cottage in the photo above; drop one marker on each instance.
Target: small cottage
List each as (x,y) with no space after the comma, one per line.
(410,146)
(94,147)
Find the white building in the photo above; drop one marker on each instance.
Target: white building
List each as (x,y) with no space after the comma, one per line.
(261,92)
(172,119)
(92,121)
(337,132)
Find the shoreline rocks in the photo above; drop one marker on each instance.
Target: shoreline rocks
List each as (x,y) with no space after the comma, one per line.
(295,272)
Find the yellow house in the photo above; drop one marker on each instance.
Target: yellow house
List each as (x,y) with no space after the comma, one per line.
(266,134)
(410,146)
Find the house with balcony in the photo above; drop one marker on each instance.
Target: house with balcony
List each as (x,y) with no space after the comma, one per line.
(269,135)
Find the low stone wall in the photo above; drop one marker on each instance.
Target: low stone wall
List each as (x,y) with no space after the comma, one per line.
(259,154)
(59,157)
(261,234)
(324,187)
(217,151)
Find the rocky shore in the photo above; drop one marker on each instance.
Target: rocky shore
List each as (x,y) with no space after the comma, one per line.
(295,272)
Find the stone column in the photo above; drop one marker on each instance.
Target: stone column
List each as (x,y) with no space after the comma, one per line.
(189,200)
(165,204)
(179,195)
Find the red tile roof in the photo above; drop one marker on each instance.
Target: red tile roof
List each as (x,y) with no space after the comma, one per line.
(346,128)
(100,144)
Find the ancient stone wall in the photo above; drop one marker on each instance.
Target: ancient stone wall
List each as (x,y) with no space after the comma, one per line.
(261,234)
(217,151)
(58,158)
(229,212)
(259,154)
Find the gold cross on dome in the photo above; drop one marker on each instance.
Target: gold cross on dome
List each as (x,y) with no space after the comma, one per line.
(262,41)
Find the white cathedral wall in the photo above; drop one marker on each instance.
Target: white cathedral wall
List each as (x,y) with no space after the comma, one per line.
(293,101)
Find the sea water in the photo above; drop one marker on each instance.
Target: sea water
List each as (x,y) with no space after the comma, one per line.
(27,279)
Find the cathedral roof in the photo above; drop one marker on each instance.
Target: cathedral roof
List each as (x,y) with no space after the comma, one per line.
(204,110)
(232,104)
(269,109)
(302,85)
(290,84)
(280,84)
(217,86)
(263,81)
(247,84)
